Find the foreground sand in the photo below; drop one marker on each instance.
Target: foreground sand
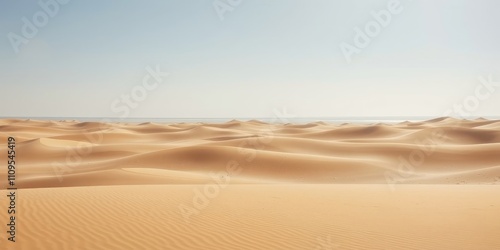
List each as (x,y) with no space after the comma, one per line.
(252,185)
(262,217)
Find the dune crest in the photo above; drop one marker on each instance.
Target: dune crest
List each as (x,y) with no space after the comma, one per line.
(440,151)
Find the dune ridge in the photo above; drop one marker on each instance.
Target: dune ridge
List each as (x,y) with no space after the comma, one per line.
(440,151)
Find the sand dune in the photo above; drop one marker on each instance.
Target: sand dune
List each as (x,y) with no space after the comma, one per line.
(92,185)
(440,149)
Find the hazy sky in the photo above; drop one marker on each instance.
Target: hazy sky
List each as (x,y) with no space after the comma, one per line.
(263,55)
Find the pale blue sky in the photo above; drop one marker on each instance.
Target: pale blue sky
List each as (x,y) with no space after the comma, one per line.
(264,55)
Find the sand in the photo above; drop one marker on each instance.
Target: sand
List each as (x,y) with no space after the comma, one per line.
(251,185)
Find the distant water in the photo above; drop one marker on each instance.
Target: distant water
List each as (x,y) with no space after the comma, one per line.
(295,120)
